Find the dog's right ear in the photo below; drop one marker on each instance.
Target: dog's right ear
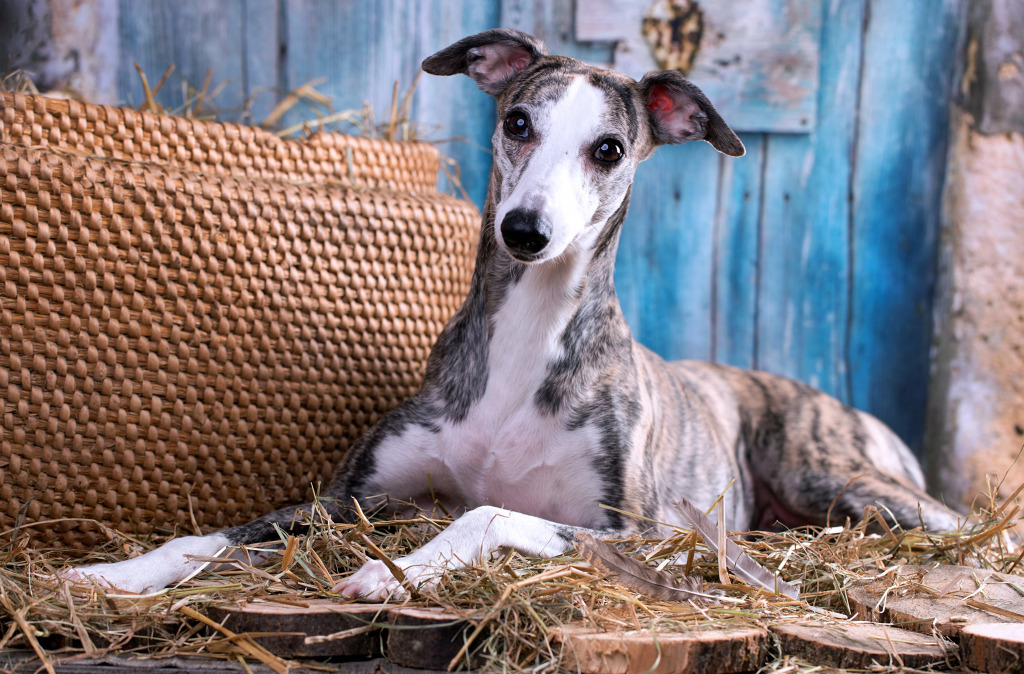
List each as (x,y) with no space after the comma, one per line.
(491,58)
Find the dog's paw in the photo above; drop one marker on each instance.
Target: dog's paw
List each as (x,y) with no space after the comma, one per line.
(375,582)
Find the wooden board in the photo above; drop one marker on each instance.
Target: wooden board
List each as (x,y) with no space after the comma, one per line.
(803,280)
(363,48)
(196,36)
(670,264)
(917,607)
(288,626)
(896,188)
(425,638)
(859,645)
(704,651)
(736,240)
(757,60)
(994,647)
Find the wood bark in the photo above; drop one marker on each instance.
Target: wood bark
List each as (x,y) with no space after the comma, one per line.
(994,648)
(286,627)
(425,638)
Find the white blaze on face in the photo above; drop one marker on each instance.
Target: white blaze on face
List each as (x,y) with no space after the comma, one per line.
(556,183)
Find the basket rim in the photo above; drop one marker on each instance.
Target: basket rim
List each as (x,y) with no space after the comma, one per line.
(69,105)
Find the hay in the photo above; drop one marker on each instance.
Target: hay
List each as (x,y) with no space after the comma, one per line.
(513,602)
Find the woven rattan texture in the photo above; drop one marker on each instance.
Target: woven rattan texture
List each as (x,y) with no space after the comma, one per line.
(171,340)
(216,148)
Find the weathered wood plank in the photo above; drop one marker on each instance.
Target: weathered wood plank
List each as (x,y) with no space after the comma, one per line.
(364,47)
(756,60)
(62,46)
(994,86)
(897,192)
(736,256)
(453,106)
(194,36)
(976,396)
(666,255)
(804,270)
(555,22)
(21,662)
(261,64)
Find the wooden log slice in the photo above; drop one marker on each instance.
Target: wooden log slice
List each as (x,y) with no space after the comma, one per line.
(714,650)
(859,645)
(994,647)
(914,602)
(425,638)
(286,627)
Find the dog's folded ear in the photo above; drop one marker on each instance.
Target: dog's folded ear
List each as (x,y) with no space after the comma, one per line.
(680,112)
(491,58)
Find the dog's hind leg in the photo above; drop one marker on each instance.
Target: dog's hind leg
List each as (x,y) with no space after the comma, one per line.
(898,503)
(824,462)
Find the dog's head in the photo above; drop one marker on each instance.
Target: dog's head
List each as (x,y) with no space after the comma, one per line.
(570,136)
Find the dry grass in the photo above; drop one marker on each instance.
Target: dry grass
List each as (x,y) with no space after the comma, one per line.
(305,102)
(513,602)
(18,82)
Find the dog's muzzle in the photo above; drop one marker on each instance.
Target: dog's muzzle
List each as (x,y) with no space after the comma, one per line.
(522,233)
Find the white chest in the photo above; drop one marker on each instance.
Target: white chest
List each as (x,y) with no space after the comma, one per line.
(506,452)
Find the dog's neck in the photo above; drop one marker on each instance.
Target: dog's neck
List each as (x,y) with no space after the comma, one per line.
(561,315)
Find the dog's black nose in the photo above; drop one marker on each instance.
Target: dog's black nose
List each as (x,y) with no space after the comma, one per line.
(521,231)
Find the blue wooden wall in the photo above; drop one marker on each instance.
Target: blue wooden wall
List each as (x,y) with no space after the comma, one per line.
(813,256)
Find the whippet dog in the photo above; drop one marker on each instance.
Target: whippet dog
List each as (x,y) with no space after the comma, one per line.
(537,407)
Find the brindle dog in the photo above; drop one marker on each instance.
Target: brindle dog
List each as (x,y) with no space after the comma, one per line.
(538,407)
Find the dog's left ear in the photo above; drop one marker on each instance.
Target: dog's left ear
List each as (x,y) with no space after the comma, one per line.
(491,58)
(680,112)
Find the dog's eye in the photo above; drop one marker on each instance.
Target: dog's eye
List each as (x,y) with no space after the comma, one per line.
(517,125)
(608,150)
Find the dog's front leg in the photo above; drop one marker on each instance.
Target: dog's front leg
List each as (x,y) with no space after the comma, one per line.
(465,542)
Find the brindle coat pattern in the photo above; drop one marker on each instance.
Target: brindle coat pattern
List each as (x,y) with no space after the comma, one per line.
(668,430)
(657,431)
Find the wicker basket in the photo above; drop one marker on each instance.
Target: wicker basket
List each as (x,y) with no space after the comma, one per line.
(178,340)
(217,149)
